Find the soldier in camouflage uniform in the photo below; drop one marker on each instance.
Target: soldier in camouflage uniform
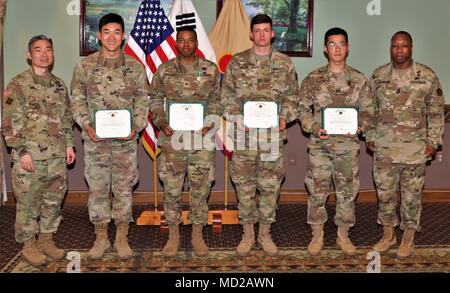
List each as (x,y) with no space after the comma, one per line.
(37,125)
(259,74)
(186,78)
(409,112)
(333,157)
(105,80)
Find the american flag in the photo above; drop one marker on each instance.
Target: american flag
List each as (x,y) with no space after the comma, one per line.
(152,43)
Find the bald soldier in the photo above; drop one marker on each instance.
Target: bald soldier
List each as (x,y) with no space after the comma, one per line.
(37,125)
(185,79)
(409,126)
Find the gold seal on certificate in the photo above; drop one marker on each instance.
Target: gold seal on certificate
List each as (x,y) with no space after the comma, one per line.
(186,116)
(262,114)
(112,123)
(343,120)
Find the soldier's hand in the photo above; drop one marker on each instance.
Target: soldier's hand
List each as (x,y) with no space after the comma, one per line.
(322,134)
(26,161)
(168,131)
(358,131)
(205,130)
(92,134)
(129,137)
(429,151)
(70,155)
(371,146)
(282,125)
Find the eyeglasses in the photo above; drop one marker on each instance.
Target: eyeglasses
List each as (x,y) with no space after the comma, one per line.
(333,45)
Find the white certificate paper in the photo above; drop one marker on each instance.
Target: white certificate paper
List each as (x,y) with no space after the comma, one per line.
(260,114)
(340,120)
(186,116)
(112,123)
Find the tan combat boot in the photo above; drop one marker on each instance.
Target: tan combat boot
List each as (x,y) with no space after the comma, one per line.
(248,239)
(101,243)
(343,242)
(387,241)
(407,246)
(46,244)
(265,239)
(32,254)
(171,247)
(121,242)
(198,244)
(316,244)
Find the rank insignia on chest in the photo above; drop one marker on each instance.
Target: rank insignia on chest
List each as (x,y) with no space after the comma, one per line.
(200,73)
(125,70)
(349,79)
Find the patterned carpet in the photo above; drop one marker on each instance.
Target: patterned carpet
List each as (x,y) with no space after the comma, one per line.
(289,260)
(290,233)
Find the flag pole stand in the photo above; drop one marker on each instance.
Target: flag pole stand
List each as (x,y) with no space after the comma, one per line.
(156,217)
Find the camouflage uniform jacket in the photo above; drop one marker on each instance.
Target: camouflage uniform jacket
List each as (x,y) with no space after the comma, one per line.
(36,116)
(96,86)
(409,113)
(322,88)
(248,79)
(171,83)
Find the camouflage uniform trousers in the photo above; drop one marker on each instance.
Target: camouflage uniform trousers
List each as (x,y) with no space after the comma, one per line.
(110,165)
(341,167)
(199,165)
(411,178)
(251,174)
(39,196)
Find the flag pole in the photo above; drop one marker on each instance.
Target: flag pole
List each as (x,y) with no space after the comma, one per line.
(217,218)
(154,217)
(226,182)
(155,185)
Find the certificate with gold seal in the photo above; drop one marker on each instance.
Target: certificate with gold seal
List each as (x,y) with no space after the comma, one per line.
(260,114)
(112,123)
(340,120)
(186,116)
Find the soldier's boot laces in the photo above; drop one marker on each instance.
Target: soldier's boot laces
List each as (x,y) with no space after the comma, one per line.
(343,242)
(46,244)
(387,241)
(265,239)
(198,244)
(248,239)
(121,242)
(171,247)
(407,246)
(32,254)
(101,244)
(316,244)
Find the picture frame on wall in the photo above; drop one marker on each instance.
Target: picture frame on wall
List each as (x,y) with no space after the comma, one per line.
(292,22)
(93,10)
